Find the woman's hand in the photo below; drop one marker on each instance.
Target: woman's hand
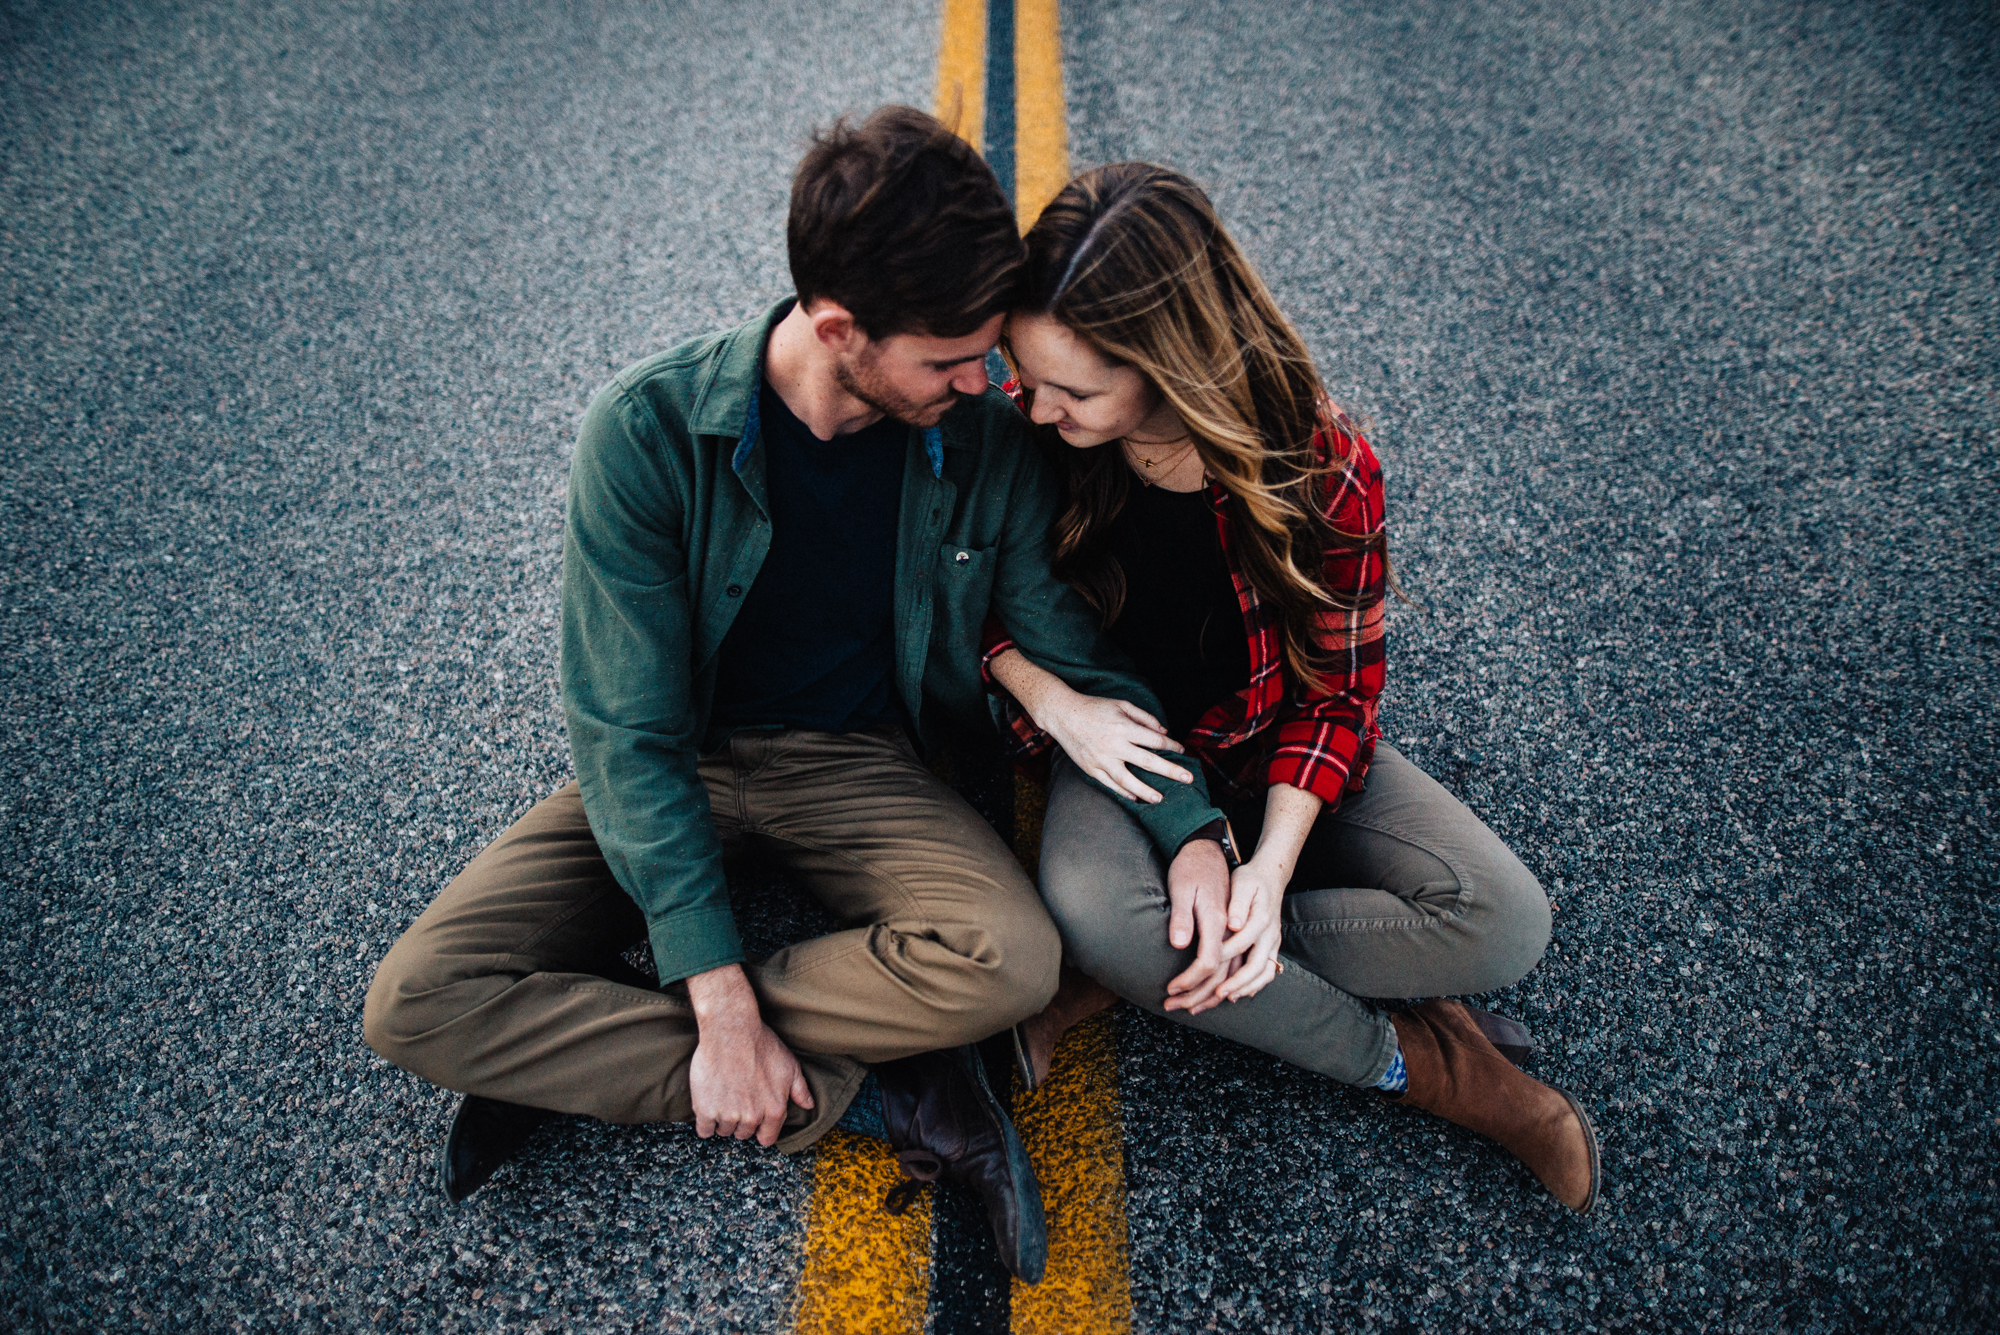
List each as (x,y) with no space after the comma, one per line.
(1257,928)
(1107,739)
(1257,892)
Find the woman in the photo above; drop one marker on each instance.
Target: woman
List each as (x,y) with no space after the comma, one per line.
(1226,521)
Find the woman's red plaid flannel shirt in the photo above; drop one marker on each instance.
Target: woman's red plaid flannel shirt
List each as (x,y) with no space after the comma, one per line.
(1273,731)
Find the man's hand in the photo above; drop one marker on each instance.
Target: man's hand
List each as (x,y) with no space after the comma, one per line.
(1198,890)
(742,1073)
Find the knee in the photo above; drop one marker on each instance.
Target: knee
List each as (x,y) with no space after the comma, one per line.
(1113,922)
(1029,961)
(384,1018)
(1514,922)
(1075,884)
(993,970)
(394,1019)
(1087,932)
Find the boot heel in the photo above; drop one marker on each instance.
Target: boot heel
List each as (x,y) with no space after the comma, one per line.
(1590,1140)
(1023,1065)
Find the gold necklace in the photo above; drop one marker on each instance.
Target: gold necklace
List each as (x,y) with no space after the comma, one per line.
(1176,457)
(1135,444)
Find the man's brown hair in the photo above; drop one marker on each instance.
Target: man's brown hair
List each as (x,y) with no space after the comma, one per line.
(901,222)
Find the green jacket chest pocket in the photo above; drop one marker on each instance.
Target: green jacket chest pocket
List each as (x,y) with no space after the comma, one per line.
(963,588)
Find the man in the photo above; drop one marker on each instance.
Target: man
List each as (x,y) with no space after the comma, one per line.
(782,543)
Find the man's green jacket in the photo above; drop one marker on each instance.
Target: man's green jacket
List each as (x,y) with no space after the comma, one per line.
(668,524)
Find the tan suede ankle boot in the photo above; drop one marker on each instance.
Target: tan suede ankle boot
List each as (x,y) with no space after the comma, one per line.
(1457,1074)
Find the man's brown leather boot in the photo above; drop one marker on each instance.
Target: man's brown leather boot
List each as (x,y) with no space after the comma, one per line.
(946,1125)
(1456,1073)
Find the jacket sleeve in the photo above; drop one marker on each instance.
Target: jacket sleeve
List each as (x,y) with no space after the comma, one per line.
(627,650)
(1326,736)
(1053,626)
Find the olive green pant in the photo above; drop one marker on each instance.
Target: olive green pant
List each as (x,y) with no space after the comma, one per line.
(511,984)
(1399,892)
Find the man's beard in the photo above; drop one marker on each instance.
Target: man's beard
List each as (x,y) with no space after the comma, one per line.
(859,379)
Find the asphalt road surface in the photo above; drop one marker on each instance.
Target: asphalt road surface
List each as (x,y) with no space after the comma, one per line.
(1674,325)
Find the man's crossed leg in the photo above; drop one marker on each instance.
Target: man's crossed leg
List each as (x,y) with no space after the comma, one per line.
(511,985)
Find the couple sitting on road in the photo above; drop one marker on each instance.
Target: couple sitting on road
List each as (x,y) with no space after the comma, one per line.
(799,551)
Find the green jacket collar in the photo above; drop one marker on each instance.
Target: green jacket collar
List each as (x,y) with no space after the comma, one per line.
(728,405)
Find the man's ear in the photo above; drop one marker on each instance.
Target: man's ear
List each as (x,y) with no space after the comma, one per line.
(834,326)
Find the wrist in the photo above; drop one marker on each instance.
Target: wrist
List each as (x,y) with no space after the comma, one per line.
(1272,872)
(1271,864)
(1048,702)
(722,995)
(1214,832)
(1200,849)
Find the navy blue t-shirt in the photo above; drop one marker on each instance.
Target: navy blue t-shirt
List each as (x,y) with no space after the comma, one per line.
(814,644)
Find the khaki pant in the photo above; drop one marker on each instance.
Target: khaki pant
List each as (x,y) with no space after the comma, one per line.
(1399,892)
(511,984)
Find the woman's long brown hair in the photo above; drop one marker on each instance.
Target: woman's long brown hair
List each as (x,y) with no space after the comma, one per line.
(1132,258)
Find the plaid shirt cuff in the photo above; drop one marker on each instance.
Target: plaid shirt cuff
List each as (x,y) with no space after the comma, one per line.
(1317,757)
(1023,738)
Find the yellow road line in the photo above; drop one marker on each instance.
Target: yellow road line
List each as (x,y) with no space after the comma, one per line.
(1073,1126)
(1075,1134)
(1041,121)
(866,1269)
(961,80)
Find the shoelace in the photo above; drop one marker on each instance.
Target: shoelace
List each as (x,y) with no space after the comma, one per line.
(923,1168)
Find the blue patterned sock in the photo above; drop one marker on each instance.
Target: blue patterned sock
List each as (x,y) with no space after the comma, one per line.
(1394,1080)
(864,1115)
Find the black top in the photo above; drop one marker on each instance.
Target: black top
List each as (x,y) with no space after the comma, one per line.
(814,644)
(1181,622)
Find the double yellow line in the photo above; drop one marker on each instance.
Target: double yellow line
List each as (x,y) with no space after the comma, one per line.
(868,1272)
(1031,101)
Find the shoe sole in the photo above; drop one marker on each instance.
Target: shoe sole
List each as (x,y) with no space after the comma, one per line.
(1590,1141)
(1023,1065)
(453,1198)
(1032,1246)
(480,1174)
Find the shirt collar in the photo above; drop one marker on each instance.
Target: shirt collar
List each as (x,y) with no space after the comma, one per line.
(728,405)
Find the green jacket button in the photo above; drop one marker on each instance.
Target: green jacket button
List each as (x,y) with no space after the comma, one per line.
(734,591)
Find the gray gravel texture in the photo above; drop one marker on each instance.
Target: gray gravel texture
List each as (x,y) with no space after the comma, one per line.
(302,304)
(1675,325)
